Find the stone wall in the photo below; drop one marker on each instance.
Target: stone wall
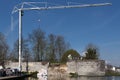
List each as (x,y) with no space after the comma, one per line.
(32,66)
(83,68)
(87,68)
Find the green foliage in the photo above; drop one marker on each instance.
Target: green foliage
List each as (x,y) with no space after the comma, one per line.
(71,52)
(112,73)
(92,52)
(73,74)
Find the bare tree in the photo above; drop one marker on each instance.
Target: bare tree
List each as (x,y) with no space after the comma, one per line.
(14,54)
(51,47)
(37,38)
(56,46)
(61,46)
(3,49)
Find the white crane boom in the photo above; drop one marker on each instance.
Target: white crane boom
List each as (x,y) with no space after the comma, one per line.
(32,6)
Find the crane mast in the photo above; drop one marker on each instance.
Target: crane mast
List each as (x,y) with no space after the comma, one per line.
(32,6)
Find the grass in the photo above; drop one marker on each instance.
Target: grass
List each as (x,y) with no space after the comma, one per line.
(73,74)
(112,73)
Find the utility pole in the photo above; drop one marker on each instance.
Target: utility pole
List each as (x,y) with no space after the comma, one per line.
(33,6)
